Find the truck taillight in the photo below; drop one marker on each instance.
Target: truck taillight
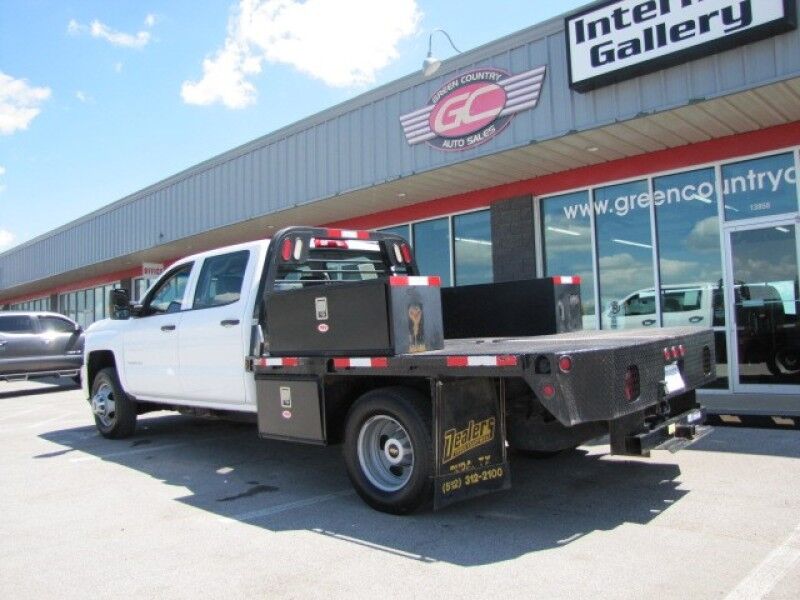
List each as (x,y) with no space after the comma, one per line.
(286,249)
(548,390)
(674,352)
(631,383)
(298,249)
(565,364)
(406,251)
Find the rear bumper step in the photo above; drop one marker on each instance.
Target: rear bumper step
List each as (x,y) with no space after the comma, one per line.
(673,434)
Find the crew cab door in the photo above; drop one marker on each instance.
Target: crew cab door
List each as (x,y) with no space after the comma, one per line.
(151,339)
(20,348)
(212,342)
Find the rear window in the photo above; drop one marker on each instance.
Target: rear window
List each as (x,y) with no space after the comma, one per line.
(327,265)
(16,324)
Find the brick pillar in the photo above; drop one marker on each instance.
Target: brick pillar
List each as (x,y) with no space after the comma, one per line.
(513,246)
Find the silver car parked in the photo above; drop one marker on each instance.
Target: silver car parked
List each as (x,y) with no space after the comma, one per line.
(39,344)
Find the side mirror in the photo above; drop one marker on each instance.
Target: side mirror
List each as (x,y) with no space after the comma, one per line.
(119,304)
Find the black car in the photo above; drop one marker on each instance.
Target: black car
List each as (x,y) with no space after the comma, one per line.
(39,344)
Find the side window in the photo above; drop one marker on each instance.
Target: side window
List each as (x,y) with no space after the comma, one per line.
(56,325)
(167,297)
(16,324)
(639,305)
(221,280)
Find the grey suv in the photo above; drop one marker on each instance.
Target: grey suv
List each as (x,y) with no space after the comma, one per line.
(39,344)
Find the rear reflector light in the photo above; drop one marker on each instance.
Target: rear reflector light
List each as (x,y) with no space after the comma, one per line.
(548,390)
(631,383)
(286,249)
(398,255)
(298,249)
(565,364)
(406,253)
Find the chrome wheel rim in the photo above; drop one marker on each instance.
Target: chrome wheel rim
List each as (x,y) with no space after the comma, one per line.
(103,405)
(385,453)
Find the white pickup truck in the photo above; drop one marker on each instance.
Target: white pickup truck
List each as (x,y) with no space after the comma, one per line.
(325,336)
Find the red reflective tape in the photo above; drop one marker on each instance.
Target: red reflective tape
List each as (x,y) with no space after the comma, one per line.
(341,363)
(336,233)
(380,361)
(399,280)
(457,361)
(362,235)
(573,279)
(396,280)
(507,361)
(291,362)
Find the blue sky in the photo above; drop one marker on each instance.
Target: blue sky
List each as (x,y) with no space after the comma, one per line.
(101,98)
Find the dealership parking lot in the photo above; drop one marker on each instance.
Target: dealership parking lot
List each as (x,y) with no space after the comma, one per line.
(191,507)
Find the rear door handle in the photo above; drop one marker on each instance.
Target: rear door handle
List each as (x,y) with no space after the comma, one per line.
(168,328)
(229,322)
(648,322)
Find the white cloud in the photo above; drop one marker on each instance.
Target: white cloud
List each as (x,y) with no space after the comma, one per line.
(118,67)
(150,20)
(19,103)
(2,185)
(341,43)
(2,170)
(6,238)
(100,30)
(83,96)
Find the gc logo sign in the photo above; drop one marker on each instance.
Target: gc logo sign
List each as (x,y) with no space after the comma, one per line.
(473,108)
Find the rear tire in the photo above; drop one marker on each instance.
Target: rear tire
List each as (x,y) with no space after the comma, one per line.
(388,450)
(114,411)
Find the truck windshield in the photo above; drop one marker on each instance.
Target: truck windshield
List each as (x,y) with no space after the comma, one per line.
(326,265)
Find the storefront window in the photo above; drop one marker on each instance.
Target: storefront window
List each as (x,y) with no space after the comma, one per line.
(625,256)
(432,248)
(568,245)
(690,260)
(401,230)
(473,248)
(760,188)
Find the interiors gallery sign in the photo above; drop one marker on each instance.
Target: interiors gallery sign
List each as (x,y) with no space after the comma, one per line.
(472,108)
(622,39)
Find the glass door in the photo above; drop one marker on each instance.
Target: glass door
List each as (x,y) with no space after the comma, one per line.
(764,305)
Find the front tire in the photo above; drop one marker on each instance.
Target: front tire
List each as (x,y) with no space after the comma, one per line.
(114,411)
(388,450)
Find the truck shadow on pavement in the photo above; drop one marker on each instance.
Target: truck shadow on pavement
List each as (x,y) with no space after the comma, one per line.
(235,477)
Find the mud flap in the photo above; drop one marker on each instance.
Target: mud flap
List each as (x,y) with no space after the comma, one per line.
(469,443)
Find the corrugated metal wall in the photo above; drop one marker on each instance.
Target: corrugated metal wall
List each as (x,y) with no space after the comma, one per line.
(360,144)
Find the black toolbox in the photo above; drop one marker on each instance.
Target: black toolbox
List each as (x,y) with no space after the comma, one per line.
(381,317)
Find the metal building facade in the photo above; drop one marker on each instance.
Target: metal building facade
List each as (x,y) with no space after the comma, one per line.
(360,145)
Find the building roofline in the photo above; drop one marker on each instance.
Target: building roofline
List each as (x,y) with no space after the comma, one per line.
(537,31)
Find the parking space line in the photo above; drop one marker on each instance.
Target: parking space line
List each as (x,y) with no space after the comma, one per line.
(50,420)
(19,414)
(766,575)
(274,510)
(147,449)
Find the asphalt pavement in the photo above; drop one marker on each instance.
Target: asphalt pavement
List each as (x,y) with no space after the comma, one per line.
(191,508)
